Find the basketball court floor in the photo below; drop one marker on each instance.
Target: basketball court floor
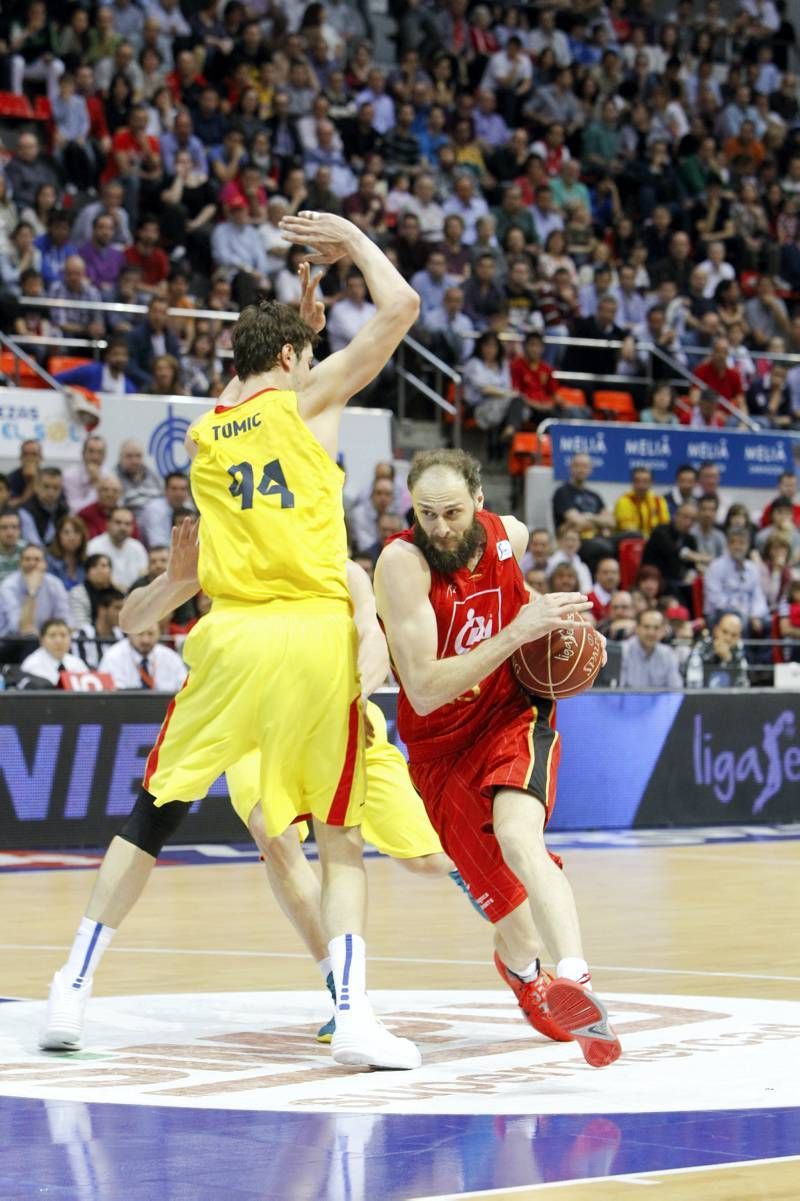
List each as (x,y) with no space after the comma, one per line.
(200,1078)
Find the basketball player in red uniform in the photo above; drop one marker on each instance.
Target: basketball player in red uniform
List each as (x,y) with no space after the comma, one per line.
(483,753)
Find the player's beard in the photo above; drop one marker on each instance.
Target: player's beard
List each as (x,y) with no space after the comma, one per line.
(448,561)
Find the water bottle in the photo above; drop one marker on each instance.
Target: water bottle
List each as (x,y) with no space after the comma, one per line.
(695,675)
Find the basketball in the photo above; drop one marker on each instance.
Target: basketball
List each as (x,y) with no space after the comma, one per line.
(562,663)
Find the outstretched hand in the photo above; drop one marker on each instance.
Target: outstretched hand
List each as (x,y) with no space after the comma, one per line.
(312,310)
(328,236)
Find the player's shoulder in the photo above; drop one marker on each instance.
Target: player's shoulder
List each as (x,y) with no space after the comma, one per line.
(402,565)
(517,534)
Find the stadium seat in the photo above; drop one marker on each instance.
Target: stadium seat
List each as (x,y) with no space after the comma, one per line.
(697,597)
(780,654)
(12,105)
(527,449)
(630,560)
(615,406)
(26,375)
(574,397)
(60,362)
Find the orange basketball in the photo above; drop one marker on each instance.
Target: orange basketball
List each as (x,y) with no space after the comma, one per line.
(562,663)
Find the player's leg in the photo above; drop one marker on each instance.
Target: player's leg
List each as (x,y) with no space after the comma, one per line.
(119,883)
(519,820)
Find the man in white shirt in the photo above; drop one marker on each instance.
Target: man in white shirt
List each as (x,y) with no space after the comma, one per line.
(349,314)
(546,35)
(157,516)
(128,556)
(140,662)
(716,269)
(90,639)
(79,483)
(382,104)
(466,204)
(423,203)
(53,655)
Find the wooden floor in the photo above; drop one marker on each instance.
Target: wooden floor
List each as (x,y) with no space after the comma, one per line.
(713,919)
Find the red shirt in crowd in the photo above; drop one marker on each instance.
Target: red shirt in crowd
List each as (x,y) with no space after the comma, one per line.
(536,383)
(154,266)
(728,384)
(95,518)
(124,142)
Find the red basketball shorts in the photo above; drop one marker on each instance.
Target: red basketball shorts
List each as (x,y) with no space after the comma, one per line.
(458,791)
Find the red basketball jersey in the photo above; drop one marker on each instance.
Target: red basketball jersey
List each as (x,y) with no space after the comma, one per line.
(469,606)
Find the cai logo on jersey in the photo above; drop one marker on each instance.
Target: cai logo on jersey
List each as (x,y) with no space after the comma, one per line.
(474,619)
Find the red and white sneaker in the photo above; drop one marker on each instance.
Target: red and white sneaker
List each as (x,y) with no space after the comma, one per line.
(532,1000)
(576,1009)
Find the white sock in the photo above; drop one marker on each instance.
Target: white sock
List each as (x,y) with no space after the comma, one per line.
(574,969)
(349,963)
(325,969)
(530,972)
(87,950)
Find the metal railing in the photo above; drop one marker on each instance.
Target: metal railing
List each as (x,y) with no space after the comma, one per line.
(441,371)
(11,345)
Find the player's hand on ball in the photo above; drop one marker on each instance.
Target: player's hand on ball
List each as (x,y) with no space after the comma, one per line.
(553,611)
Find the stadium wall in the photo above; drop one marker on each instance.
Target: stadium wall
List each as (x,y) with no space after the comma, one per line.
(70,765)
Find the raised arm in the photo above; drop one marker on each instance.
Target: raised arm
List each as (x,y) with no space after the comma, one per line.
(345,373)
(373,653)
(402,585)
(145,607)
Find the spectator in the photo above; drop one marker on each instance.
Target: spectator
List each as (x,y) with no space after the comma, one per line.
(77,322)
(707,534)
(483,295)
(708,485)
(640,510)
(732,584)
(684,488)
(147,341)
(766,314)
(721,656)
(487,387)
(718,377)
(94,637)
(348,315)
(563,578)
(573,502)
(449,329)
(621,621)
(365,514)
(55,246)
(104,261)
(30,596)
(646,662)
(22,479)
(135,160)
(596,360)
(41,513)
(774,571)
(787,487)
(83,597)
(467,204)
(537,555)
(95,516)
(432,283)
(140,662)
(535,381)
(11,543)
(606,583)
(672,548)
(781,523)
(789,622)
(569,543)
(109,375)
(109,204)
(147,255)
(156,518)
(128,556)
(424,204)
(139,483)
(28,169)
(66,553)
(53,656)
(769,398)
(80,482)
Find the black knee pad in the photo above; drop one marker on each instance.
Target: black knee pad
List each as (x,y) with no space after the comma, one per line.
(148,827)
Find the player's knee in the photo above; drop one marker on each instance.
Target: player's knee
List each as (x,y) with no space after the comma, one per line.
(149,826)
(281,850)
(437,864)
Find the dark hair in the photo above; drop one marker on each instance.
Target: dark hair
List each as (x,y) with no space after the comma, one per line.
(52,621)
(684,467)
(488,336)
(781,502)
(55,548)
(93,560)
(262,331)
(107,596)
(51,471)
(175,475)
(454,460)
(635,471)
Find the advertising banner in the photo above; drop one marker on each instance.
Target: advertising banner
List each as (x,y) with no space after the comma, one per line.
(745,460)
(71,764)
(37,413)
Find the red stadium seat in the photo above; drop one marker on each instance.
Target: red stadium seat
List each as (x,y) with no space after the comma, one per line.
(26,375)
(574,397)
(615,406)
(527,449)
(12,105)
(630,560)
(697,597)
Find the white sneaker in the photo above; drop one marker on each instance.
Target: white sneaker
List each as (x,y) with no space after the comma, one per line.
(63,1029)
(364,1041)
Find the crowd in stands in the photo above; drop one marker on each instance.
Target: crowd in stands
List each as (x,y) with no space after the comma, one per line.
(576,169)
(679,583)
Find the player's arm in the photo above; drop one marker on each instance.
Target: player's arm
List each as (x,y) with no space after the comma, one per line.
(346,372)
(373,653)
(145,607)
(402,585)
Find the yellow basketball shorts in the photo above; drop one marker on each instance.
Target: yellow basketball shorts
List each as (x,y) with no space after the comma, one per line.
(280,679)
(394,818)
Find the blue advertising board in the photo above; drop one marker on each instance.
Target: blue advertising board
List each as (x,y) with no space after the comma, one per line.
(744,460)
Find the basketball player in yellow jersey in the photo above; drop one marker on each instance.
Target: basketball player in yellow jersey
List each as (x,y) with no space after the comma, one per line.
(273,665)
